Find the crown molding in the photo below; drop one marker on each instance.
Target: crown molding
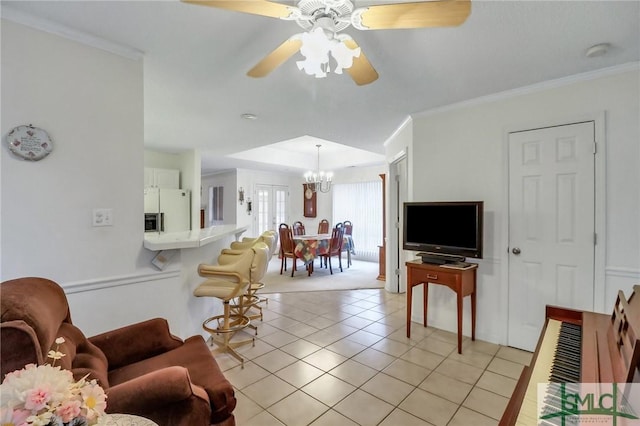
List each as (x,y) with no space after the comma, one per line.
(407,121)
(13,15)
(534,88)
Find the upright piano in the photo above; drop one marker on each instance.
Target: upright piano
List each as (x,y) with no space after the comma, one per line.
(579,347)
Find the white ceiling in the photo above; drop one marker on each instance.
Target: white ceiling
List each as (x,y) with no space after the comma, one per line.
(196,59)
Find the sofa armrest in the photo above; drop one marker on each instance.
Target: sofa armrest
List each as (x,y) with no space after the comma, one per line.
(136,342)
(19,346)
(154,394)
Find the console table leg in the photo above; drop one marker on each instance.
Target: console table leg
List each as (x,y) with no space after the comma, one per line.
(409,300)
(459,297)
(425,303)
(473,315)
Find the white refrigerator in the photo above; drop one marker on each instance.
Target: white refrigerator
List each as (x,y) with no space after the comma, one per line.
(174,206)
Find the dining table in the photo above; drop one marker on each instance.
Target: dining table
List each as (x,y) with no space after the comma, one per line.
(309,247)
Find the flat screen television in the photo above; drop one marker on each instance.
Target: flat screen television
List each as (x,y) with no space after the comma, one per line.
(444,231)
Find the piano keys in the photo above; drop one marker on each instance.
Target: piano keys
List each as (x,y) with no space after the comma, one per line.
(578,347)
(567,356)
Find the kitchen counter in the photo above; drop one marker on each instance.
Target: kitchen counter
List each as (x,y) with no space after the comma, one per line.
(190,239)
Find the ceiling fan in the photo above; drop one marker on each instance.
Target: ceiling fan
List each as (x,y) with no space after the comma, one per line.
(323,20)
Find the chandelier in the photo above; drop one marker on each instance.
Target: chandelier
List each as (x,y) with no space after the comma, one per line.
(318,180)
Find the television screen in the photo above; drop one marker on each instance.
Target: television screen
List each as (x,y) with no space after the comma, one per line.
(447,227)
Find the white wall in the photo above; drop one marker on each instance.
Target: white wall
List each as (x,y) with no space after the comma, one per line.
(91,103)
(460,152)
(161,160)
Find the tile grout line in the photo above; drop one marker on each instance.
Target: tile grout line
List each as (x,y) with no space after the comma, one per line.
(386,313)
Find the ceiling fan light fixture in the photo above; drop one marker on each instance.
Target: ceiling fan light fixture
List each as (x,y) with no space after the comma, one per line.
(318,48)
(315,48)
(313,10)
(331,17)
(344,56)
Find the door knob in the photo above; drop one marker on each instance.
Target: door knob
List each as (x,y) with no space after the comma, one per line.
(516,250)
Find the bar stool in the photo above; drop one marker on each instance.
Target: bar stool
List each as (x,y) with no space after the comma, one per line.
(242,304)
(227,282)
(270,238)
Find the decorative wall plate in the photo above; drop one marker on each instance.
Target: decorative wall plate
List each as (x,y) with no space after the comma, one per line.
(29,142)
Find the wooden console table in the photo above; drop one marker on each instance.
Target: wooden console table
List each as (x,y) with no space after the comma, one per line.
(461,281)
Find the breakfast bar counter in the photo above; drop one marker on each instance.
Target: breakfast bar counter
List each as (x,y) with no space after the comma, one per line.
(190,239)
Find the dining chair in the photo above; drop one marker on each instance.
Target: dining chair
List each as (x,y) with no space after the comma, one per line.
(335,246)
(298,228)
(348,229)
(287,247)
(339,225)
(281,226)
(323,227)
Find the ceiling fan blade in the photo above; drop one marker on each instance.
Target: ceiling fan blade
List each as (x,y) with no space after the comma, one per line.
(442,13)
(276,58)
(256,7)
(361,71)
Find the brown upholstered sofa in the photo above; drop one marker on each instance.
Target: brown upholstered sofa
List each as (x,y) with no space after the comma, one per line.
(144,369)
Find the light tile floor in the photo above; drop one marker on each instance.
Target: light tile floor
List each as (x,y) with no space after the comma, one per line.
(343,358)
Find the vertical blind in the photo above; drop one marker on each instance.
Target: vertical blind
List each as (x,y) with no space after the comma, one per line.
(361,203)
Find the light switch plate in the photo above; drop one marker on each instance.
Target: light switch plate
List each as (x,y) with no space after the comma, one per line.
(102,217)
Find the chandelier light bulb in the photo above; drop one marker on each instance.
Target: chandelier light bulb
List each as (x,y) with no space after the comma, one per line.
(318,180)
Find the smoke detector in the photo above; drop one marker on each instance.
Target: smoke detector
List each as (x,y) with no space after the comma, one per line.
(597,50)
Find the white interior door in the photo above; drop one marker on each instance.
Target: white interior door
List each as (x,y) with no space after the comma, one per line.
(551,225)
(272,206)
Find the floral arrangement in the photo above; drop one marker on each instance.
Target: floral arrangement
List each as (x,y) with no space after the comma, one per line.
(41,395)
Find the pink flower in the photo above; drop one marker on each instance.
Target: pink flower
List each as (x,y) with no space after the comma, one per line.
(36,399)
(15,417)
(68,411)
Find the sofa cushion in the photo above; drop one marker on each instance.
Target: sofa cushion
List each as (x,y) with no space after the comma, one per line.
(204,371)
